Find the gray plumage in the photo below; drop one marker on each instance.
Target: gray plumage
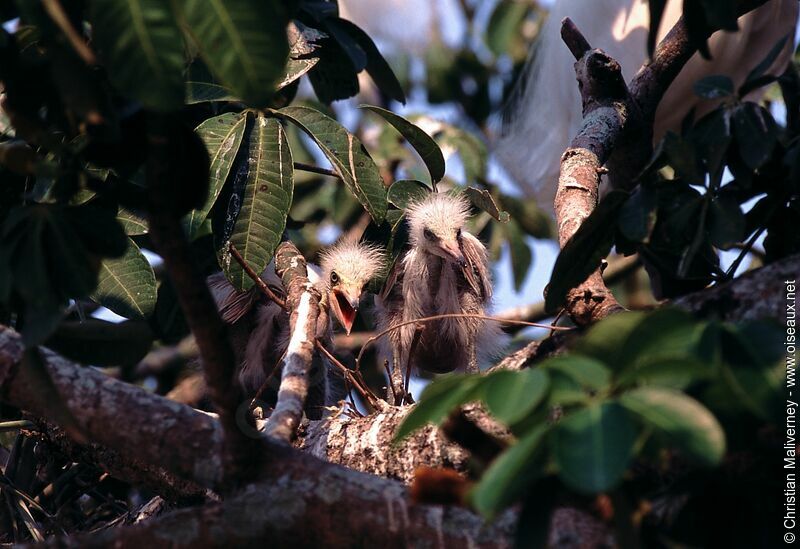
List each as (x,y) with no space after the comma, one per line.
(445,270)
(259,328)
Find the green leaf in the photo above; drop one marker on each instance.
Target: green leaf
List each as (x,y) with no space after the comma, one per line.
(424,144)
(593,447)
(511,396)
(134,224)
(222,136)
(470,149)
(755,134)
(605,340)
(714,87)
(243,42)
(726,222)
(504,25)
(582,254)
(266,201)
(302,44)
(377,67)
(202,92)
(406,191)
(143,49)
(590,374)
(127,285)
(712,136)
(638,215)
(689,425)
(347,156)
(437,401)
(508,475)
(481,198)
(521,255)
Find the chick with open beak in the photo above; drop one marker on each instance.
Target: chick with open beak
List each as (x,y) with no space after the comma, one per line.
(445,271)
(345,270)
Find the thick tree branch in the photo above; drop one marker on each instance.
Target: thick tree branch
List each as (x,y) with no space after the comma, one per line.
(298,498)
(302,299)
(195,299)
(617,119)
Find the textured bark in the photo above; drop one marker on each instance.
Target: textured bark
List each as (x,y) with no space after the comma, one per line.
(617,131)
(334,507)
(302,299)
(756,295)
(606,108)
(143,427)
(122,466)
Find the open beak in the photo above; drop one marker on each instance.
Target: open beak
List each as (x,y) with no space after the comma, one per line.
(450,250)
(344,302)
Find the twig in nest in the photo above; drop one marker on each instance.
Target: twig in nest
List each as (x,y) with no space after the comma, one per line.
(451,315)
(260,284)
(356,381)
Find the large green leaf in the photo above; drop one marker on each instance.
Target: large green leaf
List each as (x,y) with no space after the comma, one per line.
(437,401)
(143,49)
(510,396)
(590,374)
(521,254)
(423,143)
(688,424)
(593,447)
(265,203)
(243,42)
(403,192)
(127,285)
(222,136)
(508,475)
(347,156)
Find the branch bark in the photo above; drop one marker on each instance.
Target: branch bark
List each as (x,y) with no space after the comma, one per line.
(195,299)
(302,299)
(617,130)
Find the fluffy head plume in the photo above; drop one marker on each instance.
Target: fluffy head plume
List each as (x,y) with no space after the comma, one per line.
(441,214)
(353,262)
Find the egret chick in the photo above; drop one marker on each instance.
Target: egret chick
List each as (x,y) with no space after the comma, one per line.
(445,271)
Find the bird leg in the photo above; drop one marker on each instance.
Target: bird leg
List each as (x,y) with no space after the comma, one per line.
(414,342)
(472,360)
(396,379)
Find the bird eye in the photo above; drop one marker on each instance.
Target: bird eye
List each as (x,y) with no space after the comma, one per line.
(334,277)
(429,234)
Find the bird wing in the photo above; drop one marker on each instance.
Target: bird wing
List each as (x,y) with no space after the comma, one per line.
(476,270)
(394,279)
(232,304)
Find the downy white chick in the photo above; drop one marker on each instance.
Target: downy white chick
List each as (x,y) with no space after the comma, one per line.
(446,270)
(259,328)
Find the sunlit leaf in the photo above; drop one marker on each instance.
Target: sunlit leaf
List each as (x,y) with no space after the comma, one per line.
(265,203)
(436,402)
(511,396)
(222,136)
(127,285)
(424,144)
(347,156)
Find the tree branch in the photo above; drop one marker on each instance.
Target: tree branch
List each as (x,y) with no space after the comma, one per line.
(302,299)
(195,299)
(617,119)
